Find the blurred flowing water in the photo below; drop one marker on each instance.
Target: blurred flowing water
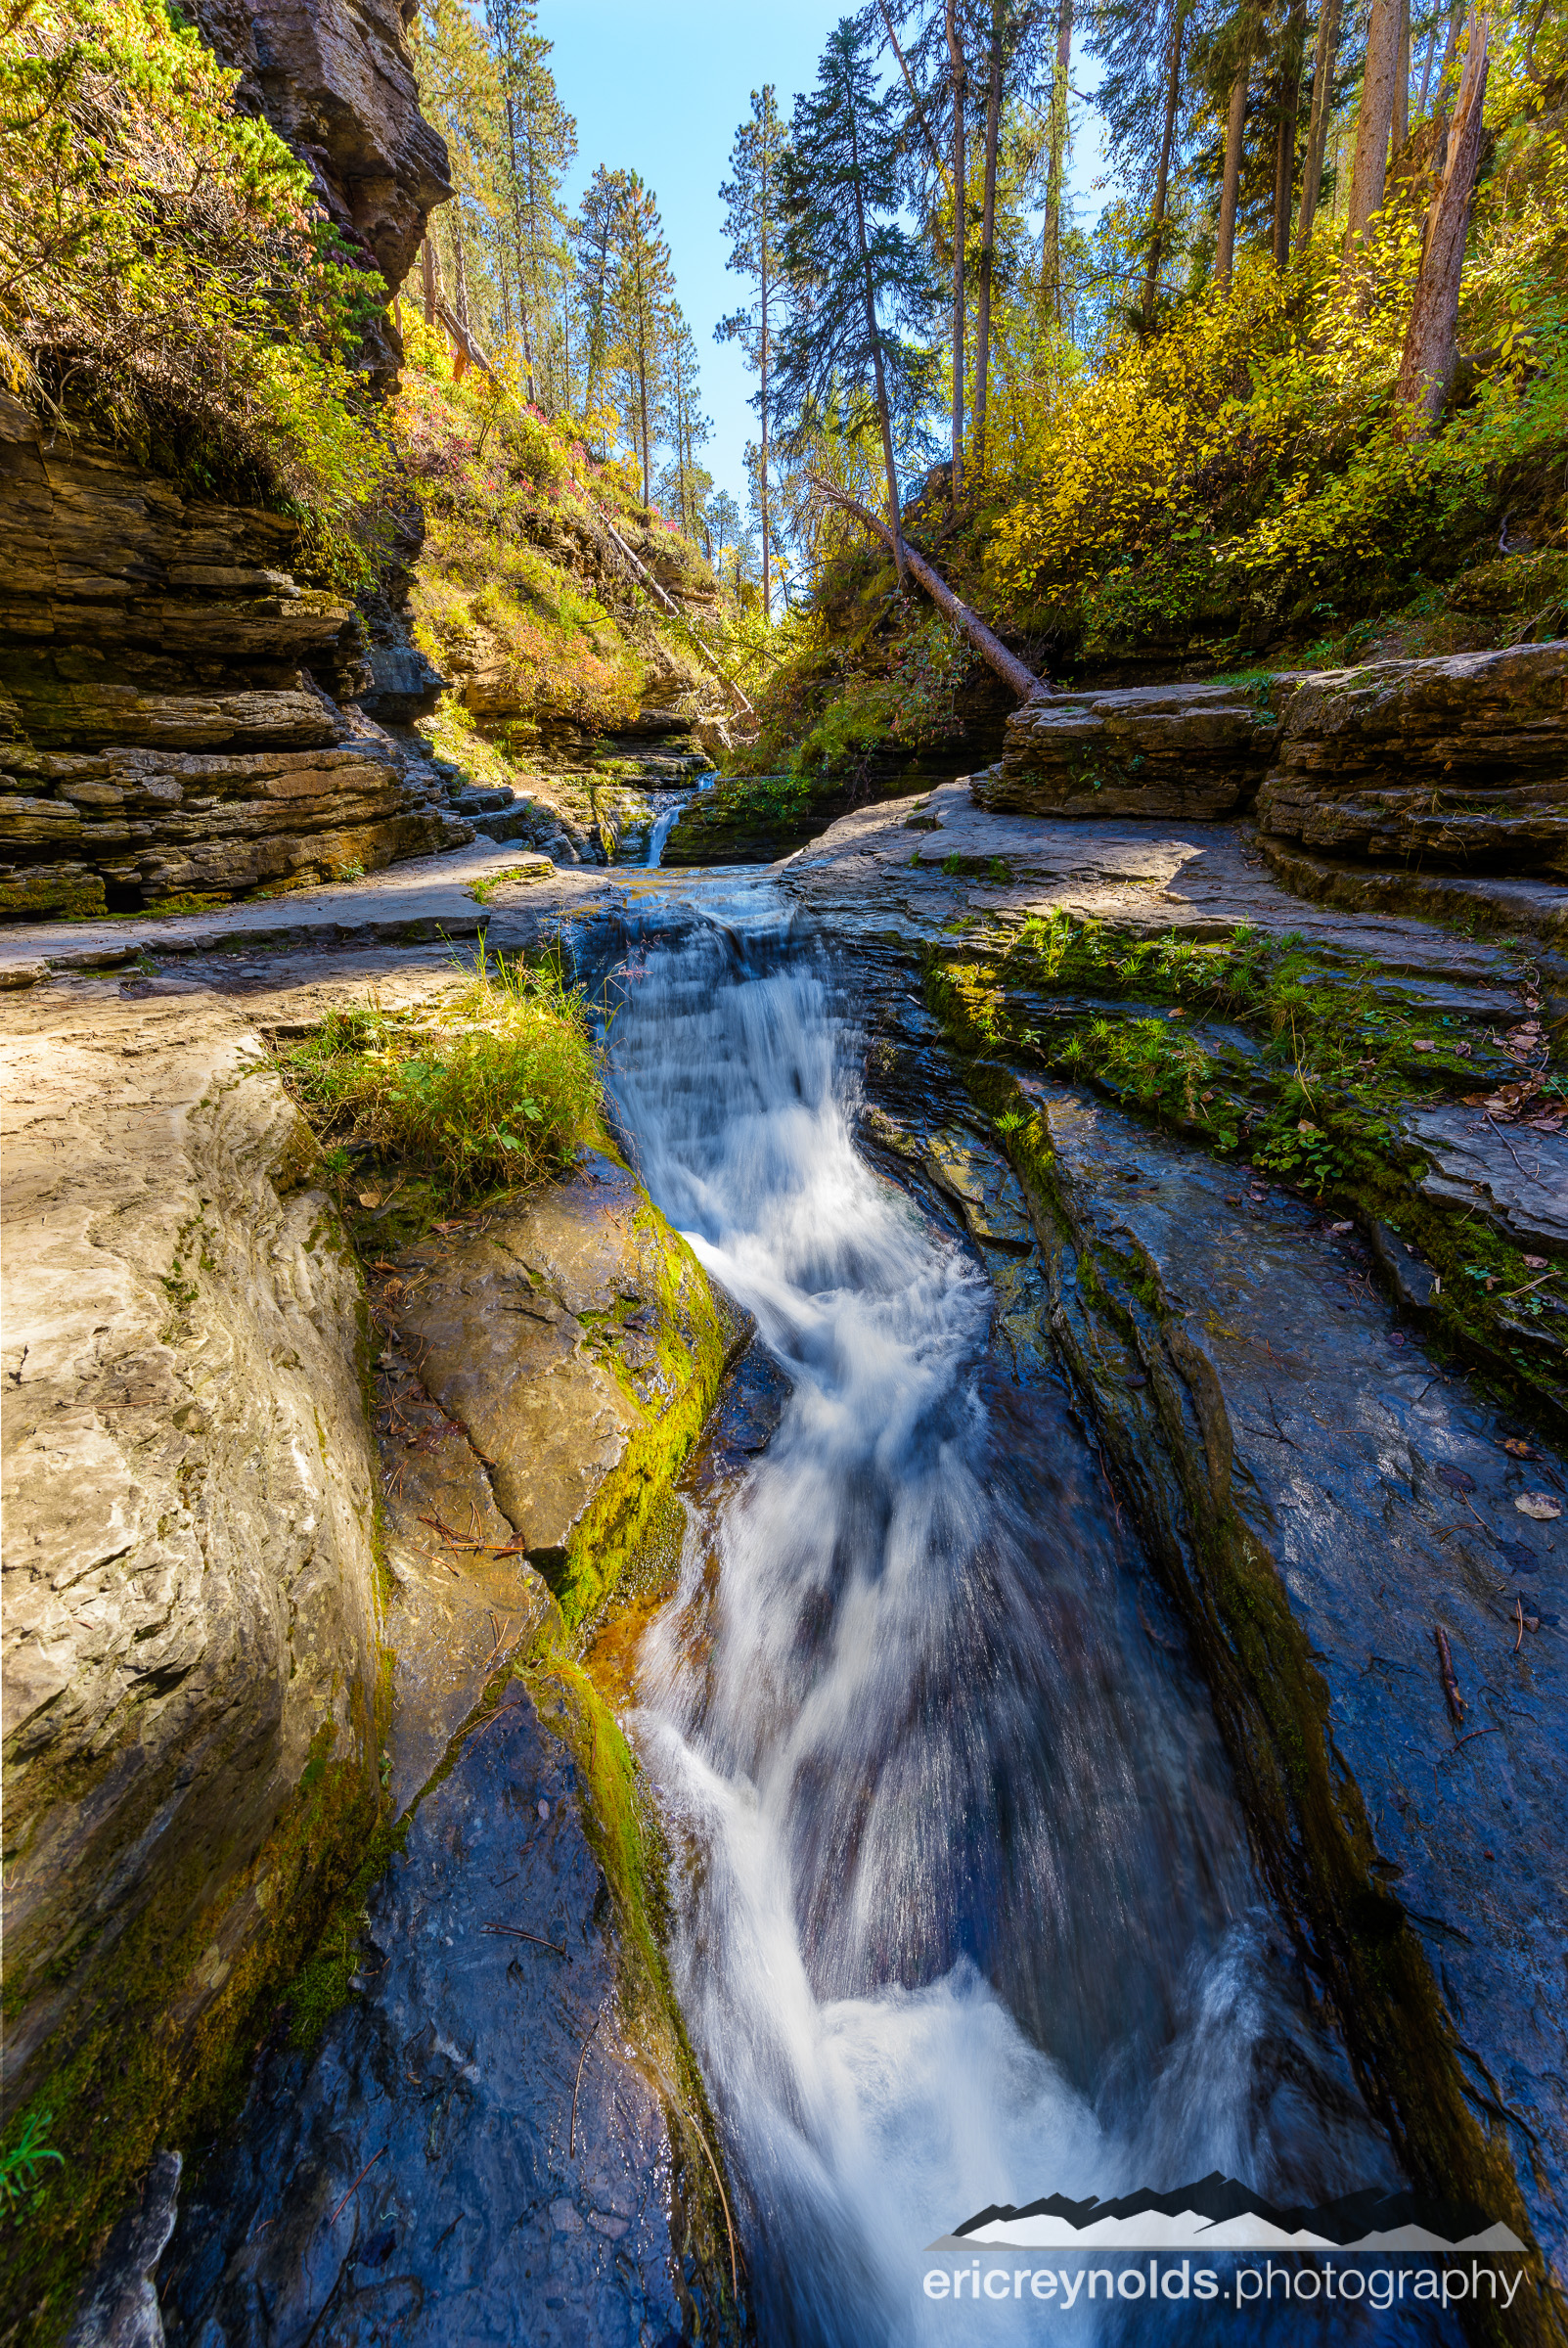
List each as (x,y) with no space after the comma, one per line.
(967,1912)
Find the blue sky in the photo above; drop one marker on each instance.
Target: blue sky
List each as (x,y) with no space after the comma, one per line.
(661,90)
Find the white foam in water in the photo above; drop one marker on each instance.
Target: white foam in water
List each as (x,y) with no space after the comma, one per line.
(901,1710)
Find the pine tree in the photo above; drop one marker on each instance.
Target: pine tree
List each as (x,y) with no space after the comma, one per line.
(753,224)
(641,305)
(593,235)
(540,141)
(856,275)
(682,425)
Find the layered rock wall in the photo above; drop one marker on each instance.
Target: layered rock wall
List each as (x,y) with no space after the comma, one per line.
(1459,762)
(189,1606)
(166,719)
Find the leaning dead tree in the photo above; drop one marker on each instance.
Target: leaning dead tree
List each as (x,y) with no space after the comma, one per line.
(991,648)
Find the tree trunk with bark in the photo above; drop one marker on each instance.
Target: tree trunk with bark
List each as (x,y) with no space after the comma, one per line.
(1373,123)
(1427,363)
(1323,82)
(1401,130)
(1231,178)
(960,209)
(990,646)
(988,235)
(1162,181)
(1056,172)
(1284,162)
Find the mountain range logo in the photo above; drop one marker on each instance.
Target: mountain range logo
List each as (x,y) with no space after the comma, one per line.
(1219,2214)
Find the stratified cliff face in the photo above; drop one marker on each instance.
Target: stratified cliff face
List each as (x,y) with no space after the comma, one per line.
(337,81)
(167,721)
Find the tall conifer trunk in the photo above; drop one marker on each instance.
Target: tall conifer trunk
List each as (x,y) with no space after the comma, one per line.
(1056,167)
(1323,82)
(988,235)
(961,222)
(1230,176)
(1173,92)
(1373,123)
(1427,363)
(1284,167)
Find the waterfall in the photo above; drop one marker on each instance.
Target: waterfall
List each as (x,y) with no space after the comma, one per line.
(967,1913)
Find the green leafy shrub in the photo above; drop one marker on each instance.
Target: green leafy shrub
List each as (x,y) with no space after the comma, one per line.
(164,270)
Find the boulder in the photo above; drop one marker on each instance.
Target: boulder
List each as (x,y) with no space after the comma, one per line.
(1460,761)
(576,1341)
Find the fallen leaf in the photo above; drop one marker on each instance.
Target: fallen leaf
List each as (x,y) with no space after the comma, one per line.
(1425,1043)
(1539,1505)
(1396,1336)
(1517,1445)
(1464,1051)
(1536,1263)
(1338,1227)
(1455,1479)
(370,1198)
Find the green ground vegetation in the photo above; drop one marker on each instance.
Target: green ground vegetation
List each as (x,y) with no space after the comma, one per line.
(478,1092)
(140,2072)
(1302,1063)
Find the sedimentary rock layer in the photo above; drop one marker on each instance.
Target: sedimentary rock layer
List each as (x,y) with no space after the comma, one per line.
(1460,761)
(165,687)
(1154,750)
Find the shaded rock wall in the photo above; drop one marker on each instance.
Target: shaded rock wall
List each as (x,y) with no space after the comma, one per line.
(166,719)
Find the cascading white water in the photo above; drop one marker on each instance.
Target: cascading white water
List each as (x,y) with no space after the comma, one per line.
(969,1915)
(665,824)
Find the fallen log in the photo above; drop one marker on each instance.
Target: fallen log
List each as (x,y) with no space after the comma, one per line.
(990,646)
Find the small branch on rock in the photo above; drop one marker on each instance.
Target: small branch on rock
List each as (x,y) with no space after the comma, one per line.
(1451,1686)
(1458,1740)
(491,1548)
(990,646)
(354,2188)
(517,1932)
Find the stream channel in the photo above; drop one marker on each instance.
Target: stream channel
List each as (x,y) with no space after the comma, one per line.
(964,1906)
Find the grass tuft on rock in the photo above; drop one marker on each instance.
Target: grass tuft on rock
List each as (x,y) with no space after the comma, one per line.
(482,1090)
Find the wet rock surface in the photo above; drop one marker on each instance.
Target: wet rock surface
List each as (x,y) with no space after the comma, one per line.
(1239,1364)
(474,2155)
(572,1338)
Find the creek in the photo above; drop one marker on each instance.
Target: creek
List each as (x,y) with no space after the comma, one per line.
(966,1913)
(964,1909)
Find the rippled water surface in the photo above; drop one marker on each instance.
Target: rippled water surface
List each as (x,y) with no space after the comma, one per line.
(968,1915)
